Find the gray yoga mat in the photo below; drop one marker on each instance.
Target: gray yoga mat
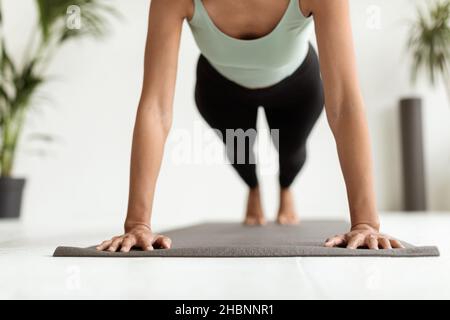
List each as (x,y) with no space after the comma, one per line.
(237,240)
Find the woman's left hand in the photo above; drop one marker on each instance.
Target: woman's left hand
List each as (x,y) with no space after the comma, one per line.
(364,236)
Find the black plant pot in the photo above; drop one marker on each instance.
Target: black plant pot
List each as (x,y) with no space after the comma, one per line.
(413,155)
(11,191)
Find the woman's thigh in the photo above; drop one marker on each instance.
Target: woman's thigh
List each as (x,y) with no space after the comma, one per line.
(223,104)
(295,105)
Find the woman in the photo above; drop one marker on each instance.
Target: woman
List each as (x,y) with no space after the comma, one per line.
(256,53)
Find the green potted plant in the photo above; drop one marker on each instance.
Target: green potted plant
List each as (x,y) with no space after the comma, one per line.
(429,47)
(59,22)
(429,43)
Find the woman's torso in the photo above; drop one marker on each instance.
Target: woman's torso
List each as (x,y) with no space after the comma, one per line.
(249,45)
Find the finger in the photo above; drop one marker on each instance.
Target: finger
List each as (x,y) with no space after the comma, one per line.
(148,247)
(115,245)
(356,242)
(162,242)
(397,244)
(373,243)
(335,241)
(144,244)
(127,244)
(384,243)
(104,245)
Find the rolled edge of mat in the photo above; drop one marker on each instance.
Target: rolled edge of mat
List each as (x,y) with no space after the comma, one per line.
(251,252)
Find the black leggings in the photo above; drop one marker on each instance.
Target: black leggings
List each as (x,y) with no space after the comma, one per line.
(292,106)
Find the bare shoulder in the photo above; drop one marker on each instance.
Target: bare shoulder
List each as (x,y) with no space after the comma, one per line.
(320,6)
(305,7)
(182,8)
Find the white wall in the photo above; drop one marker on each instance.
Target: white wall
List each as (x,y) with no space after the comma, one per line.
(95,91)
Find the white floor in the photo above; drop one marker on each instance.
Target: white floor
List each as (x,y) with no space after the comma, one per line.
(27,270)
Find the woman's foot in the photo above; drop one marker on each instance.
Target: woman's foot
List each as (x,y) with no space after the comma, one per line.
(287,214)
(255,214)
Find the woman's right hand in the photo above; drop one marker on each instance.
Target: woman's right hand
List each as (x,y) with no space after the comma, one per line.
(139,236)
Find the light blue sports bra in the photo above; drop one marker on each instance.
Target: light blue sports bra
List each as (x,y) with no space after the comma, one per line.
(257,63)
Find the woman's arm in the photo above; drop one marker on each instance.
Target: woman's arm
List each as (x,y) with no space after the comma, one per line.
(346,116)
(153,121)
